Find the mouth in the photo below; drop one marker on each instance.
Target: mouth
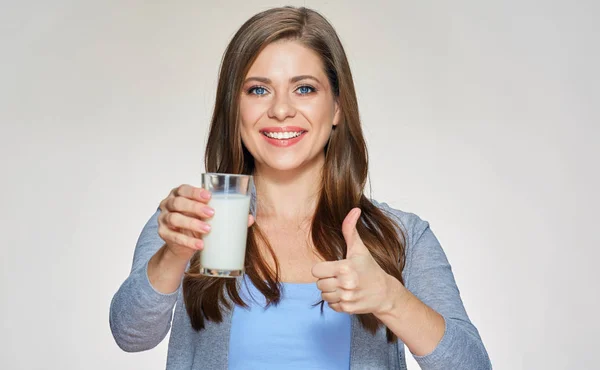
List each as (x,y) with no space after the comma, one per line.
(283,136)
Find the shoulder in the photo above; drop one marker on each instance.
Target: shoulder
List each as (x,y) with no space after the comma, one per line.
(425,258)
(411,224)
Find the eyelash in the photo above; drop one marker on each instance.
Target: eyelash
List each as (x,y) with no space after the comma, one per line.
(250,91)
(313,89)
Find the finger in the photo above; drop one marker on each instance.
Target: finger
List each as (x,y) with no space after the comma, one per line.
(336,307)
(177,221)
(345,307)
(250,220)
(331,297)
(189,207)
(191,192)
(340,295)
(327,269)
(349,226)
(348,281)
(175,238)
(328,285)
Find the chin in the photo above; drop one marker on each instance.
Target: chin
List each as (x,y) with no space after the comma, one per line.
(290,164)
(284,166)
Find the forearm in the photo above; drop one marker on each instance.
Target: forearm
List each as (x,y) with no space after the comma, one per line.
(165,270)
(438,341)
(418,326)
(140,315)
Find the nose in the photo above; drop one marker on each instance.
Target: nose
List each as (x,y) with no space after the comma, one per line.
(281,108)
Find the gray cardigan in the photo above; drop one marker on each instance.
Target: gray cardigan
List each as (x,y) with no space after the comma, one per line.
(140,316)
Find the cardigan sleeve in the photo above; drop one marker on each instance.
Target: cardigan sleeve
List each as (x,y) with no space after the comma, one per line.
(140,316)
(428,275)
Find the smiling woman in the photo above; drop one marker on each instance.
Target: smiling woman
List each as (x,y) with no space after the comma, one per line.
(293,108)
(286,112)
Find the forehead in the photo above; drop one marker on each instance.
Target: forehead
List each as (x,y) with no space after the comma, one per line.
(286,58)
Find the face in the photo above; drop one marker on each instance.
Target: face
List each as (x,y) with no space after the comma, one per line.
(287,108)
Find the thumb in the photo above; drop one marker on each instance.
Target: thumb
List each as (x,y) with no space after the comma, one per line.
(354,243)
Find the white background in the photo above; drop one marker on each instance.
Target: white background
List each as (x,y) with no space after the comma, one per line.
(481,116)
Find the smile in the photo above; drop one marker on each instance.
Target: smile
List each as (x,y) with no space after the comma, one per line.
(283,136)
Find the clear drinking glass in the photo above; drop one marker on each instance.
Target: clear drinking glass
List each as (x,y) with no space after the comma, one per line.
(225,244)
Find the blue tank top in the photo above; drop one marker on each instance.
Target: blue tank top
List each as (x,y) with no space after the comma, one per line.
(292,335)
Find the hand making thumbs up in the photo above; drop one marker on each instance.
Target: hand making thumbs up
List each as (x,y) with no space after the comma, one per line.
(356,284)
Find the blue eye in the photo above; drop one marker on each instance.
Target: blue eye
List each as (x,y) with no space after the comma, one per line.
(305,89)
(257,90)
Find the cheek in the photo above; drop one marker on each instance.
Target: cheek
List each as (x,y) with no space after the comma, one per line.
(250,112)
(319,112)
(249,116)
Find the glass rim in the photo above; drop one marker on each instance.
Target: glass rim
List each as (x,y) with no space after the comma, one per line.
(225,174)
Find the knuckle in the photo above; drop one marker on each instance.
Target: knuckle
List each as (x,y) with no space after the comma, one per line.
(169,202)
(178,203)
(196,193)
(179,239)
(315,272)
(349,284)
(345,269)
(346,296)
(345,307)
(320,285)
(334,286)
(171,219)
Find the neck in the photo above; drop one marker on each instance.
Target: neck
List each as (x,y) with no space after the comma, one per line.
(288,196)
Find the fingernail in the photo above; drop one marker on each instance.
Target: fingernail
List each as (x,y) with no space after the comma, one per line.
(205,227)
(205,194)
(209,211)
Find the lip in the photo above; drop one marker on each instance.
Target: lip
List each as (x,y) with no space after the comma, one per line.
(282,129)
(283,143)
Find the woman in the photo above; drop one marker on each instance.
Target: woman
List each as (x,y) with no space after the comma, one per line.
(286,112)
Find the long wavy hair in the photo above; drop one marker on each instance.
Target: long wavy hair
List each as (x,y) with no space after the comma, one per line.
(344,173)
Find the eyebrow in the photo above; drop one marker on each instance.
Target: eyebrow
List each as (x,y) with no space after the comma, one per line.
(292,80)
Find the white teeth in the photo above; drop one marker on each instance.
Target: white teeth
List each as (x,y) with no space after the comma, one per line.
(282,135)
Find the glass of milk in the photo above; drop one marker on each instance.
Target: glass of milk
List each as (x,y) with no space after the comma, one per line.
(225,244)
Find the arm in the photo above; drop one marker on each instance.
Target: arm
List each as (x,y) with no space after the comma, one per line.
(140,315)
(418,326)
(433,308)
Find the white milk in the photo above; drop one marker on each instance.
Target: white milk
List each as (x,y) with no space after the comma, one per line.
(225,244)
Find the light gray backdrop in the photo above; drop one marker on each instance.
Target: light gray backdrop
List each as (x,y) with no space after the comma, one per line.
(481,116)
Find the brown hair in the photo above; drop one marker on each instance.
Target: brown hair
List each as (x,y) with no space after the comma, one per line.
(344,173)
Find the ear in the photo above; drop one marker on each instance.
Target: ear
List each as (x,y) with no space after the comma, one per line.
(337,112)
